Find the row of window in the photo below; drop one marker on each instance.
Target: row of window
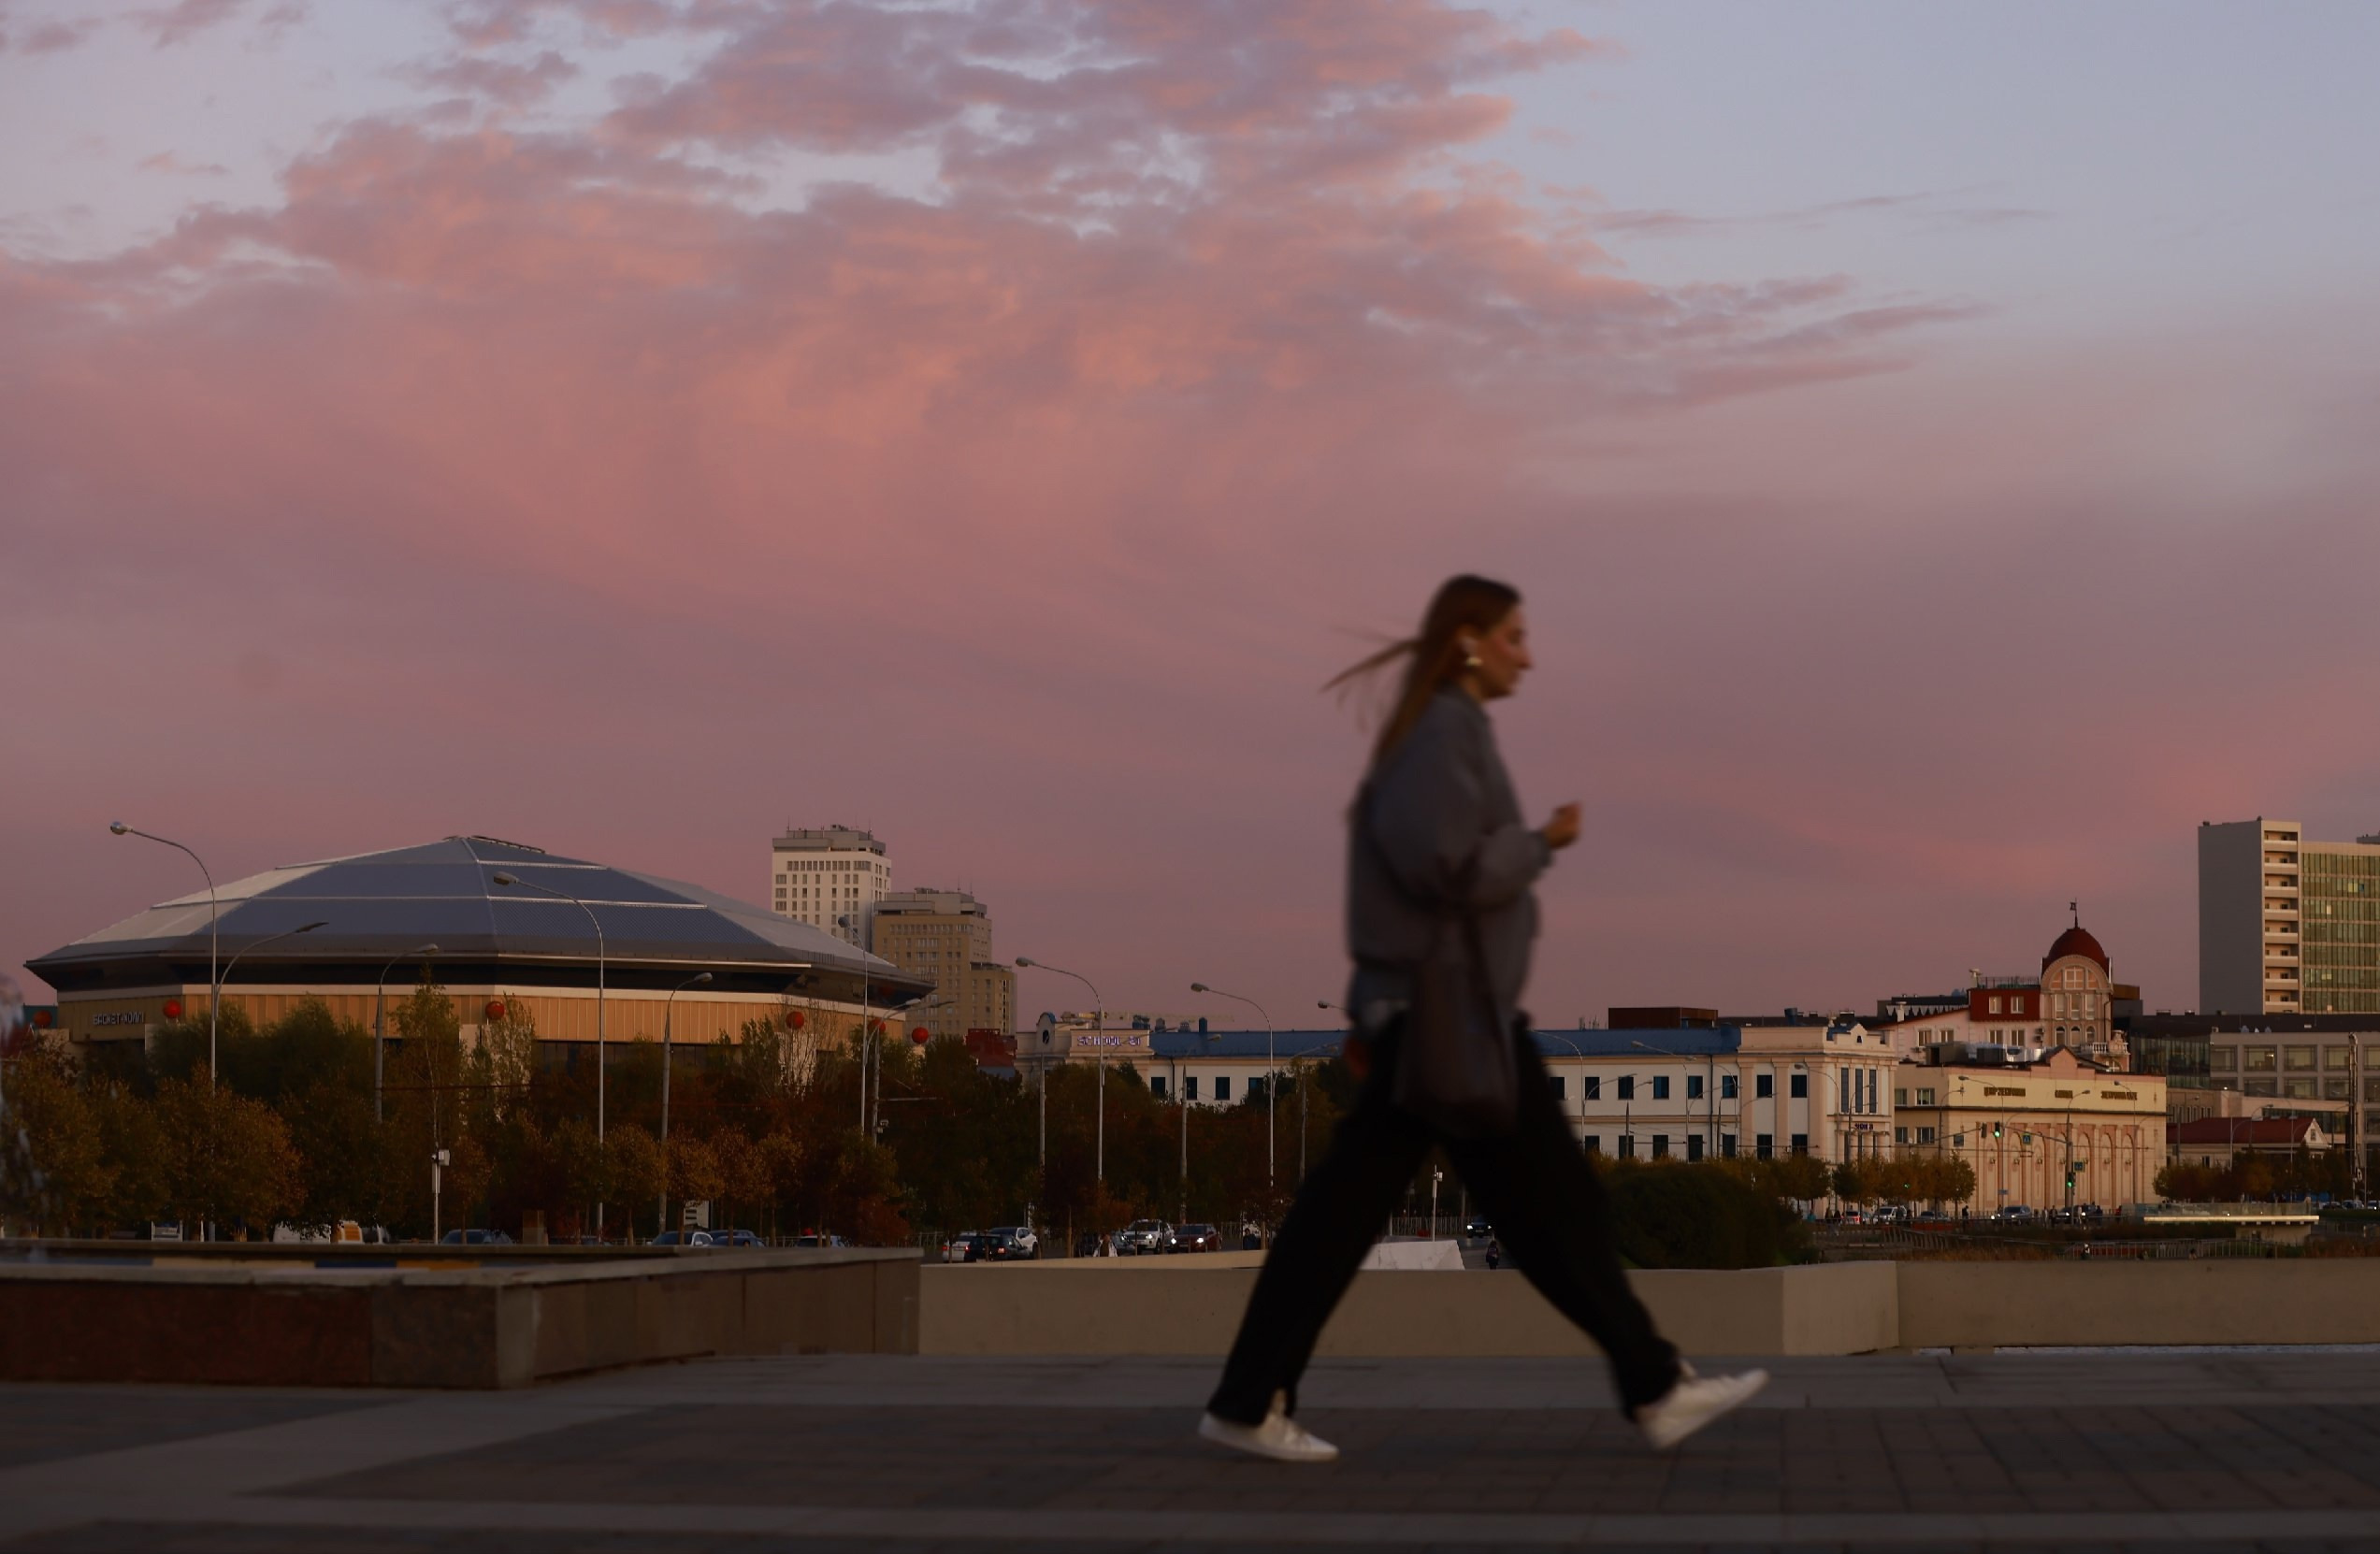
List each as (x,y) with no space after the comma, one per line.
(1624,1145)
(1221,1090)
(2295,1059)
(1624,1086)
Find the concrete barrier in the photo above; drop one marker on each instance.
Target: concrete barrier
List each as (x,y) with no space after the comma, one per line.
(507,1319)
(2090,1305)
(1824,1309)
(1104,1307)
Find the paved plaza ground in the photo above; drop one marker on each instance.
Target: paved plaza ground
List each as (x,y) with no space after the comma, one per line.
(2230,1450)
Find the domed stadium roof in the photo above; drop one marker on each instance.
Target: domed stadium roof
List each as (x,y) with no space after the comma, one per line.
(378,906)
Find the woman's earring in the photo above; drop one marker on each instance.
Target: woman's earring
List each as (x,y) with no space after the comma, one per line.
(1471,661)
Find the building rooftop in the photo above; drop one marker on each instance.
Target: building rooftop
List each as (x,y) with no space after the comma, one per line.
(1286,1044)
(2075,940)
(833,839)
(2250,1025)
(378,906)
(2245,1131)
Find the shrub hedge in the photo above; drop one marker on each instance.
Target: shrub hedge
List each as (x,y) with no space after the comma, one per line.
(1702,1216)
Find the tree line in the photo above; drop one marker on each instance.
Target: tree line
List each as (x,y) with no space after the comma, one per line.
(764,1125)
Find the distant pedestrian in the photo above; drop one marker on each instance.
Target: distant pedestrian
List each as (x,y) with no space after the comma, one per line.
(1440,919)
(1495,1254)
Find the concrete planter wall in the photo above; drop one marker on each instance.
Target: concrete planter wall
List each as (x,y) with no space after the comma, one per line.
(1126,1307)
(1828,1309)
(257,1319)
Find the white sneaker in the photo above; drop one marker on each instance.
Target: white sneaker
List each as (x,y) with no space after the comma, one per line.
(1694,1403)
(1279,1438)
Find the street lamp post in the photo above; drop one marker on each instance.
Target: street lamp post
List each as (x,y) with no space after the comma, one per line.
(214,920)
(669,1008)
(1581,1056)
(1271,1071)
(866,1040)
(379,1029)
(1098,1026)
(216,993)
(215,997)
(514,882)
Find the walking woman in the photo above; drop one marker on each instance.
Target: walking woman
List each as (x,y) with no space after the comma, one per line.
(1439,919)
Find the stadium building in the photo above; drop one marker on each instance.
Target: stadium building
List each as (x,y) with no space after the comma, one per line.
(525,947)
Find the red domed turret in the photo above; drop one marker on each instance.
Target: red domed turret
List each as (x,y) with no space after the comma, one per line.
(2075,940)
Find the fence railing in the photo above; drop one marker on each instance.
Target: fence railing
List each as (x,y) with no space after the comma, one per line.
(1882,1241)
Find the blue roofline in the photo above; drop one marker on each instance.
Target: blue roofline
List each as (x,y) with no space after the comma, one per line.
(1697,1042)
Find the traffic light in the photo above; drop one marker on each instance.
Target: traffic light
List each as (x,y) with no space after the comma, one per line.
(1996,1130)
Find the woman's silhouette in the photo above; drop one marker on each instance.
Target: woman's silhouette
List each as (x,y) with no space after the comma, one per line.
(1439,876)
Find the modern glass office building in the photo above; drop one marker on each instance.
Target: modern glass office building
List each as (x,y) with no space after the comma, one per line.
(2287,926)
(2339,911)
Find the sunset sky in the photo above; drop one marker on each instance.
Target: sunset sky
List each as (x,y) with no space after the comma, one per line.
(1938,444)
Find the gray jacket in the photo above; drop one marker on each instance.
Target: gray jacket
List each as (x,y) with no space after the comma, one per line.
(1444,820)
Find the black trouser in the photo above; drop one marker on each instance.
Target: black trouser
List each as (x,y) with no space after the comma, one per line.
(1539,1191)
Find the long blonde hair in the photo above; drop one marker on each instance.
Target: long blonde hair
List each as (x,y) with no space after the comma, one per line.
(1434,655)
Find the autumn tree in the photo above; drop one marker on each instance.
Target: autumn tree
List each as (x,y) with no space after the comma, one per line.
(631,1172)
(57,1175)
(228,1157)
(694,1171)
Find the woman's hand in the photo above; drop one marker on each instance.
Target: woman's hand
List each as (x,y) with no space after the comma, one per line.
(1562,830)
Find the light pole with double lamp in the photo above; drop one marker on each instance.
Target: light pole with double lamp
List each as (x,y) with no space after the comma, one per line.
(865,1040)
(1581,1056)
(669,1008)
(380,1027)
(513,881)
(217,993)
(1098,1027)
(1647,1046)
(215,996)
(215,919)
(1272,1071)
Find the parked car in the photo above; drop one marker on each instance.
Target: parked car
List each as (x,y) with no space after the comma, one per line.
(475,1238)
(687,1238)
(813,1238)
(1018,1239)
(735,1238)
(1144,1236)
(1198,1238)
(969,1247)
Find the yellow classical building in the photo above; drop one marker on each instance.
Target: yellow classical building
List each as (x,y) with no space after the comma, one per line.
(2030,1128)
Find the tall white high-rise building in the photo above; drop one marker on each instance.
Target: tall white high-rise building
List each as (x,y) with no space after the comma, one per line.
(2287,924)
(824,877)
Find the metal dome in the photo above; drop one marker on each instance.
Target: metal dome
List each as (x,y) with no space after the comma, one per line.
(376,906)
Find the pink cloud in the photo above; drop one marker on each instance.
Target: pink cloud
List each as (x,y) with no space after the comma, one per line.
(488,24)
(185,20)
(506,84)
(553,485)
(54,35)
(171,162)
